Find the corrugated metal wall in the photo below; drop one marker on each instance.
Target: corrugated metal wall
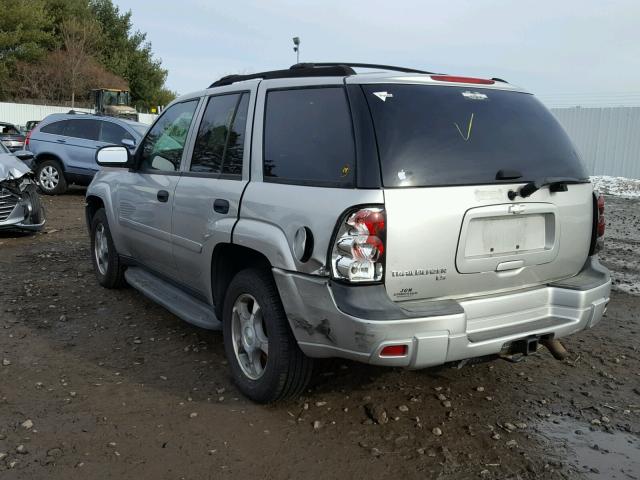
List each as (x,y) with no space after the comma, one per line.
(21,113)
(607,138)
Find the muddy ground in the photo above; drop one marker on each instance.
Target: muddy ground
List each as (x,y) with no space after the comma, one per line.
(104,384)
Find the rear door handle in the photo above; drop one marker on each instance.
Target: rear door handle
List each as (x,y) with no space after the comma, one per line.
(163,195)
(221,205)
(61,140)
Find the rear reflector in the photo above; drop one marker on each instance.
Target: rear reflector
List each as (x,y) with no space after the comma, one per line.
(394,351)
(451,78)
(601,218)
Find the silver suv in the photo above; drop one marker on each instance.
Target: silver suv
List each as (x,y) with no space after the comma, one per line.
(397,218)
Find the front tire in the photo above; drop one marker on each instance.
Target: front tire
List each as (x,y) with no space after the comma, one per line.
(266,363)
(37,210)
(106,261)
(51,178)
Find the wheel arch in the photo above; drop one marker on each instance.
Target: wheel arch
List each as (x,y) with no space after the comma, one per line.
(99,195)
(43,157)
(93,204)
(226,261)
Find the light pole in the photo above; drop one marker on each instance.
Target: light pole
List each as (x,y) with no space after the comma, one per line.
(296,48)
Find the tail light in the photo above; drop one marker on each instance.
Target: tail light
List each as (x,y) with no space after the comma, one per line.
(455,79)
(27,138)
(599,225)
(357,254)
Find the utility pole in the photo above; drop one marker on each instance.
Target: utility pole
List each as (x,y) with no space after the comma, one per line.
(296,48)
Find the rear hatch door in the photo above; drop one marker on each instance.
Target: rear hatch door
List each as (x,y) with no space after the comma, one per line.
(449,156)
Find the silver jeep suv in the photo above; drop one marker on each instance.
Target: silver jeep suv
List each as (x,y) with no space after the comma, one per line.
(397,218)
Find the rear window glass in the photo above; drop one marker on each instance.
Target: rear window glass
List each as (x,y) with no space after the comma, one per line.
(9,130)
(441,135)
(308,137)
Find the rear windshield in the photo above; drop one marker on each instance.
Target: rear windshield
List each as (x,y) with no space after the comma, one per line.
(441,135)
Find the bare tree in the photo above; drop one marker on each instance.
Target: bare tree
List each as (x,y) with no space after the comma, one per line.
(79,39)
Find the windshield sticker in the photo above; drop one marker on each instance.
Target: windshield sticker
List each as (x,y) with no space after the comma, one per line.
(345,170)
(466,138)
(383,95)
(474,95)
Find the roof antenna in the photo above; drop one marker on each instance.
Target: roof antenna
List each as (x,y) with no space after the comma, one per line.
(296,48)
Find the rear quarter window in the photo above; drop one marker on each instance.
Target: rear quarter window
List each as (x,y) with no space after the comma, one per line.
(54,128)
(308,137)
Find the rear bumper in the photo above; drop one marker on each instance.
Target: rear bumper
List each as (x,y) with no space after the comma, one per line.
(358,324)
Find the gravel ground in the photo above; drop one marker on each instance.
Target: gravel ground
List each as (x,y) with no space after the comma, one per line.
(105,384)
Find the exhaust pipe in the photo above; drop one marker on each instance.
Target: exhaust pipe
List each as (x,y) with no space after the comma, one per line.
(556,348)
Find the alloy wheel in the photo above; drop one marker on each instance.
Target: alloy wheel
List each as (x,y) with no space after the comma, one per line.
(249,336)
(49,177)
(101,249)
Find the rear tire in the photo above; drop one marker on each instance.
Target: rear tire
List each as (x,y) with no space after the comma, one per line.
(105,258)
(266,363)
(51,177)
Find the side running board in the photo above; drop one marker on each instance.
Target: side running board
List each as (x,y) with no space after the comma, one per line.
(173,299)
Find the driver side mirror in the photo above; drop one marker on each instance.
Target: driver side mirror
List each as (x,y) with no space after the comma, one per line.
(113,157)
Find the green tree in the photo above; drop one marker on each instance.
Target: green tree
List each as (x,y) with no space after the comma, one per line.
(84,36)
(127,53)
(25,35)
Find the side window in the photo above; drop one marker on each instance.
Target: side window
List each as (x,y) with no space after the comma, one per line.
(162,147)
(308,137)
(86,129)
(112,133)
(55,128)
(219,146)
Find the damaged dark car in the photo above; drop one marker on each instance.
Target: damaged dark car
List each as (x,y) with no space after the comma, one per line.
(20,206)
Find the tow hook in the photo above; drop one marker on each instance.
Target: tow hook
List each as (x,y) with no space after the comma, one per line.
(556,348)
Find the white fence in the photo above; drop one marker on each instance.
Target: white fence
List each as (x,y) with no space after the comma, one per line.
(607,138)
(21,113)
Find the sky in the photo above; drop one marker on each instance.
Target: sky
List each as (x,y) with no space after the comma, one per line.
(562,50)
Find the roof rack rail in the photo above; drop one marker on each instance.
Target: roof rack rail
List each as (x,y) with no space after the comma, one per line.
(299,70)
(362,65)
(324,69)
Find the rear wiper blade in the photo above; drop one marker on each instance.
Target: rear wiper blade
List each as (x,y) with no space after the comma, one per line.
(555,184)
